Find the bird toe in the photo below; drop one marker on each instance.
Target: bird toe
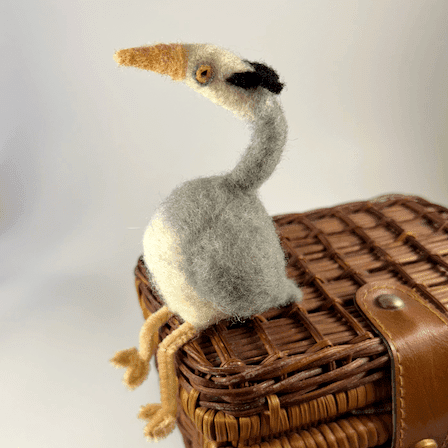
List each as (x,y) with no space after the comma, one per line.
(124,358)
(160,427)
(147,412)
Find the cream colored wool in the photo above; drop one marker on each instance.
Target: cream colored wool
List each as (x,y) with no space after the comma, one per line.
(211,248)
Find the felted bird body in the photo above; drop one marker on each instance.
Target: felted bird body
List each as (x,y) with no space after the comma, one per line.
(211,249)
(212,253)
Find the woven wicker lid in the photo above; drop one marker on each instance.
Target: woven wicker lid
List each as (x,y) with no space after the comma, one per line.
(321,350)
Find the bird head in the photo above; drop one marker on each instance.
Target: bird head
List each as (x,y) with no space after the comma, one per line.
(221,76)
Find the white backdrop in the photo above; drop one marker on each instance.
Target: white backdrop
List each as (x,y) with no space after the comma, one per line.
(89,150)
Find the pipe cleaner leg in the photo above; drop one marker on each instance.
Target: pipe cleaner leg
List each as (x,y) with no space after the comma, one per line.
(137,361)
(162,417)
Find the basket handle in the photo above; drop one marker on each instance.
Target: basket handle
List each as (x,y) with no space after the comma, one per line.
(416,334)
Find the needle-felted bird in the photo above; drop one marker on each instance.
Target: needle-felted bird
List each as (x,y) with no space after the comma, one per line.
(211,249)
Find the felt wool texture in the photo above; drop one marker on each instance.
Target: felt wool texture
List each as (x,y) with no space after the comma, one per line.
(164,59)
(211,249)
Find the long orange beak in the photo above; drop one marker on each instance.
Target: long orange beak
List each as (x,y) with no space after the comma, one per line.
(171,59)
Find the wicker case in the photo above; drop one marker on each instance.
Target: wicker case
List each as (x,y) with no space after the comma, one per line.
(313,374)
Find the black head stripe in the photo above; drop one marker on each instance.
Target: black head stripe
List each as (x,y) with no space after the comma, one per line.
(270,79)
(263,76)
(246,80)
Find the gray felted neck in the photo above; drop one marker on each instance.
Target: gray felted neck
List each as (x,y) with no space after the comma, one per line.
(263,153)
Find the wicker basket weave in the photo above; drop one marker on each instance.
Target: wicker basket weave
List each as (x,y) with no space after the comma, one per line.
(312,374)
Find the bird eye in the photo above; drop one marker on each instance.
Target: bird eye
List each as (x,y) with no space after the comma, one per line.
(204,74)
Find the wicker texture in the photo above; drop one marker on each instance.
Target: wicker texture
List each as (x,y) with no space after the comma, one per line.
(314,369)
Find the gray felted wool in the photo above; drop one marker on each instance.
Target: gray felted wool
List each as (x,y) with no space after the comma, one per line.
(211,248)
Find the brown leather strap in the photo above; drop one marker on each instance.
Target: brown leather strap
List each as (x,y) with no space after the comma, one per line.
(417,337)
